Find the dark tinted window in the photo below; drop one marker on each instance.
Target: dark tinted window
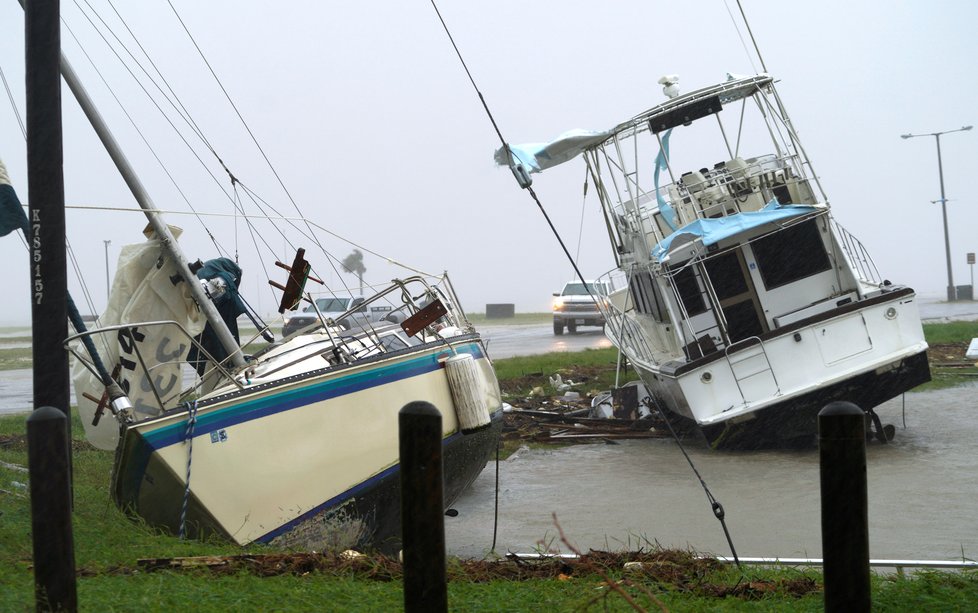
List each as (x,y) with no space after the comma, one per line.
(689,291)
(790,254)
(726,275)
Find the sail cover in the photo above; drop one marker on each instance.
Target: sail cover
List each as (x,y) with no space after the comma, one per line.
(12,215)
(711,231)
(537,157)
(144,289)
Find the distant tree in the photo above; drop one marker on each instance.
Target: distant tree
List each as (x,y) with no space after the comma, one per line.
(353,263)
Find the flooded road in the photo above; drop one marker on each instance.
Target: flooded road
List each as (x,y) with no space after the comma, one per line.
(511,341)
(922,490)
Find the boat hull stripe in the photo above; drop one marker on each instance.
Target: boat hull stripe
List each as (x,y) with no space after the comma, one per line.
(277,403)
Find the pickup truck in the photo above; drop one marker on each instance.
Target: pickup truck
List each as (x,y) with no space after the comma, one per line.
(361,316)
(574,306)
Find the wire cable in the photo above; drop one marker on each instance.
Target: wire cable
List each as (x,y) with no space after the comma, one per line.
(714,503)
(718,511)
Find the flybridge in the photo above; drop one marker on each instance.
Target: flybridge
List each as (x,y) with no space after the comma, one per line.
(684,109)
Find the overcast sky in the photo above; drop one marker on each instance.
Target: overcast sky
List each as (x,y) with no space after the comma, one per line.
(373,126)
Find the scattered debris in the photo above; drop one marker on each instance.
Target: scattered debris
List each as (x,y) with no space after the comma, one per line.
(15,467)
(573,417)
(670,568)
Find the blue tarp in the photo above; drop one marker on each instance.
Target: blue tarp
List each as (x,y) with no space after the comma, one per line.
(536,157)
(711,231)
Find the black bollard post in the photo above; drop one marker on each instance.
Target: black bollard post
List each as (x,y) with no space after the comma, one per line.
(845,515)
(54,549)
(422,509)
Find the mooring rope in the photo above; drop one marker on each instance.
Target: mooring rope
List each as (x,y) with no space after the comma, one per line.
(188,437)
(714,503)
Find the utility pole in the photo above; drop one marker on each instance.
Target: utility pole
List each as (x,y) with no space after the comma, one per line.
(951,291)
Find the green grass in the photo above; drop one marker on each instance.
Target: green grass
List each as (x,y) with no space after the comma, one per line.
(108,544)
(951,332)
(13,359)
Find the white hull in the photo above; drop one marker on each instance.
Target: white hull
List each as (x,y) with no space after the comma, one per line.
(278,454)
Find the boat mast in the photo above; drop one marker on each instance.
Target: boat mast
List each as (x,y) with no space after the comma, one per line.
(152,214)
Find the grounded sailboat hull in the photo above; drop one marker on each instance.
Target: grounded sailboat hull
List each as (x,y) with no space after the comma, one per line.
(310,463)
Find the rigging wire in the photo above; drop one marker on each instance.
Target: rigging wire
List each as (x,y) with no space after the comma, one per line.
(89,302)
(714,503)
(184,114)
(13,103)
(751,33)
(527,186)
(740,35)
(245,124)
(580,229)
(136,126)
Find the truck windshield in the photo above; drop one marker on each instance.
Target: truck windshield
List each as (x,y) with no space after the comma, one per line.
(577,289)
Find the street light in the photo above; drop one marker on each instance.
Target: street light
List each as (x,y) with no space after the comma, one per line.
(951,293)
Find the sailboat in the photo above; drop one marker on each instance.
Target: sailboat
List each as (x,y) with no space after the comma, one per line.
(743,305)
(294,444)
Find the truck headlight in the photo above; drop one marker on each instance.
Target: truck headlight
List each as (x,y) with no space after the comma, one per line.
(558,304)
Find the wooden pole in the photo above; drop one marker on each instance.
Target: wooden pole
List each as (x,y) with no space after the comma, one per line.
(845,514)
(49,427)
(48,453)
(422,509)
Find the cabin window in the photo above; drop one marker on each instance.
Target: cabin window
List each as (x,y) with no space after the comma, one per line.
(648,299)
(790,254)
(688,288)
(727,275)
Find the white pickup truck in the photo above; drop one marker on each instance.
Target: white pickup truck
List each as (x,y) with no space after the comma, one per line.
(359,316)
(574,306)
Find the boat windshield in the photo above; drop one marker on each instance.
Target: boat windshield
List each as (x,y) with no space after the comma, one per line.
(330,305)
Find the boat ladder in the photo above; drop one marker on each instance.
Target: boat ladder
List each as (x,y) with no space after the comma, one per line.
(749,363)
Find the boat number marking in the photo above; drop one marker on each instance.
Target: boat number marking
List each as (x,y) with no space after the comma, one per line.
(219,436)
(165,380)
(36,256)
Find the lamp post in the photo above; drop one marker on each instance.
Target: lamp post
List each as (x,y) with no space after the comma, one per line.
(951,293)
(108,285)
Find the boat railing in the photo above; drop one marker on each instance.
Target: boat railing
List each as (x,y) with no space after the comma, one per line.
(856,255)
(730,187)
(215,370)
(415,293)
(626,331)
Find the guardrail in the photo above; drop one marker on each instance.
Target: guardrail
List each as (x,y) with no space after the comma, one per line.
(899,565)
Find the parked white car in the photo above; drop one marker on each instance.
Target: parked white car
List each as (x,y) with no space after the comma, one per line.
(347,312)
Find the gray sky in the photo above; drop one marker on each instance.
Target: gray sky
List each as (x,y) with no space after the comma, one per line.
(378,135)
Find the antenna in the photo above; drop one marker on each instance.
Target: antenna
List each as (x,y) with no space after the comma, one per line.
(753,41)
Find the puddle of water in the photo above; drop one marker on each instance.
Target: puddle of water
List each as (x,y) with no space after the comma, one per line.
(921,493)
